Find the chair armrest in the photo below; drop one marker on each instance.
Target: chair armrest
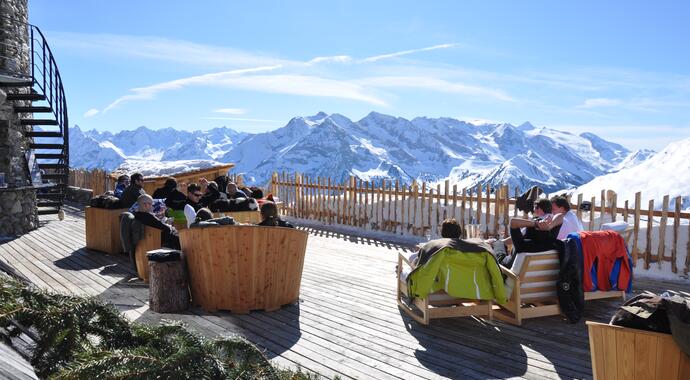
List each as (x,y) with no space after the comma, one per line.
(403,258)
(507,272)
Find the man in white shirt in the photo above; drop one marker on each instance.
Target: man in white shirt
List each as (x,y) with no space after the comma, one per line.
(563,217)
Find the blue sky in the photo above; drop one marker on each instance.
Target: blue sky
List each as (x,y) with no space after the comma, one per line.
(618,69)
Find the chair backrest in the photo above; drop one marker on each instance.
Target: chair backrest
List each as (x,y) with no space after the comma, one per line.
(538,274)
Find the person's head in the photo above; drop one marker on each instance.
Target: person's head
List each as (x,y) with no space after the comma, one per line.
(212,187)
(194,192)
(170,183)
(542,207)
(256,193)
(145,203)
(269,212)
(560,204)
(232,188)
(451,229)
(138,179)
(203,214)
(123,180)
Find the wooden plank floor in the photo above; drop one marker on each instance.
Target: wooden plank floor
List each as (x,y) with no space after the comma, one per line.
(346,323)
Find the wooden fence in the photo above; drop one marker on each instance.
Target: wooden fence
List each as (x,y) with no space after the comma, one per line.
(97,180)
(658,236)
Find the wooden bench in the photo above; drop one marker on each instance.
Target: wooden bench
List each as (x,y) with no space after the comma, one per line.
(438,304)
(624,353)
(103,229)
(531,288)
(242,268)
(150,241)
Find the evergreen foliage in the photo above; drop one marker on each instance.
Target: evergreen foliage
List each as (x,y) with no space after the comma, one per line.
(84,338)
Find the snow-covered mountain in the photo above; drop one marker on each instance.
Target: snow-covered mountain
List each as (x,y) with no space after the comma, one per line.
(664,173)
(375,147)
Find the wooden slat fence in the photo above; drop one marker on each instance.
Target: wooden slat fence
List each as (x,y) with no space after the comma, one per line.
(658,236)
(97,180)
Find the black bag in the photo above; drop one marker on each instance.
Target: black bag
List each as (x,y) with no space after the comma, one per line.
(233,205)
(106,201)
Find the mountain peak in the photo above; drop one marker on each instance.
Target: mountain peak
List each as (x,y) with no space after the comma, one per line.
(526,126)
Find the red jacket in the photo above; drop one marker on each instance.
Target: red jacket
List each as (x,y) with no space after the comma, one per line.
(604,247)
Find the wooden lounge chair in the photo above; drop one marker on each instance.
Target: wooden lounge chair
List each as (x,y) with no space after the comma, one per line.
(438,304)
(531,288)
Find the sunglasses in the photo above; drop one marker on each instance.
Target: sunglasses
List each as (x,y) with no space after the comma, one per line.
(197,194)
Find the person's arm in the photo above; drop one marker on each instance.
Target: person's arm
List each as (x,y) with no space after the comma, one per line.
(150,220)
(522,223)
(550,222)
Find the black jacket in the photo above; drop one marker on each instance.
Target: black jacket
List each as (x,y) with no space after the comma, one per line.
(169,236)
(281,223)
(131,194)
(571,296)
(175,200)
(525,202)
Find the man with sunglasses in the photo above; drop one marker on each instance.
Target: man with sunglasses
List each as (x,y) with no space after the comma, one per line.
(525,235)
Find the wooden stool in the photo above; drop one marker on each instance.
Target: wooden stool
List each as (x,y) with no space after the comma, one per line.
(168,286)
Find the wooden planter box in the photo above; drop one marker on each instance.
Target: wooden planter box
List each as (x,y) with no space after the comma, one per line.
(249,217)
(150,242)
(103,229)
(623,353)
(243,268)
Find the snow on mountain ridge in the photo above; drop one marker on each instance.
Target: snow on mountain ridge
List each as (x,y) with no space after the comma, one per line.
(382,146)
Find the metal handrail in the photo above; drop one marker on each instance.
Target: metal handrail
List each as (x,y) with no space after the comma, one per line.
(45,76)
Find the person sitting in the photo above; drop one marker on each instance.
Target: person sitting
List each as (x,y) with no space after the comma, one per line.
(562,217)
(133,191)
(122,183)
(233,192)
(176,200)
(450,229)
(525,236)
(256,193)
(204,217)
(212,194)
(145,215)
(270,218)
(168,187)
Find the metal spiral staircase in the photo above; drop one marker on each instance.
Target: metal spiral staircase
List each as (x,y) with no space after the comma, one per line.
(40,104)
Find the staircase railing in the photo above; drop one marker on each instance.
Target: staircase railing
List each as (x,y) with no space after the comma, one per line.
(45,77)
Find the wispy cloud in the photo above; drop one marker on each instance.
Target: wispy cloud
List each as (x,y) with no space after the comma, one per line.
(231,111)
(149,92)
(91,113)
(242,119)
(405,52)
(330,59)
(279,83)
(436,84)
(600,102)
(161,49)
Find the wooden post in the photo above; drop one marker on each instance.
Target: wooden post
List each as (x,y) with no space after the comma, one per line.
(463,204)
(602,212)
(382,222)
(676,226)
(479,205)
(591,214)
(391,205)
(455,202)
(422,207)
(614,207)
(579,203)
(636,228)
(438,209)
(395,207)
(662,230)
(517,194)
(506,211)
(430,205)
(650,221)
(626,211)
(445,199)
(470,217)
(487,214)
(497,208)
(403,211)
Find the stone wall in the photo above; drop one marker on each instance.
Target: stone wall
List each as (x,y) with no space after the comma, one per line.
(18,211)
(15,37)
(18,201)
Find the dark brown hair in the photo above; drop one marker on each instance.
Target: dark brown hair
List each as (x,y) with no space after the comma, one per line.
(451,229)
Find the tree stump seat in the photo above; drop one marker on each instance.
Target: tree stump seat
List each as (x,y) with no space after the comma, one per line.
(168,285)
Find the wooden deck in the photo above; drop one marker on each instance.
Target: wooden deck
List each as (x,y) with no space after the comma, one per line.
(346,323)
